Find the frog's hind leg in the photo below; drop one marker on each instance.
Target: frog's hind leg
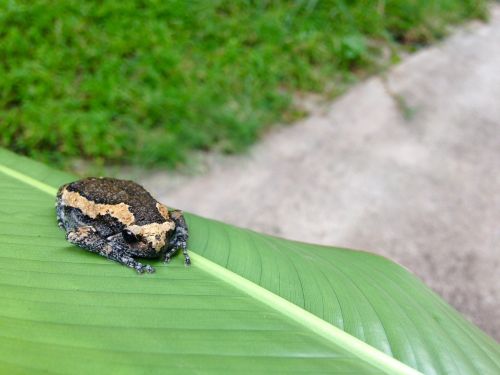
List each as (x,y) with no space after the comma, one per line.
(87,237)
(68,217)
(179,238)
(60,215)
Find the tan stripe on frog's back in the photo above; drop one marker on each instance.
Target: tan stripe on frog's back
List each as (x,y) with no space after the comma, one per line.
(119,211)
(163,210)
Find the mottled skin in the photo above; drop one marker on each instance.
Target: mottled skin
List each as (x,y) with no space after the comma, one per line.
(120,220)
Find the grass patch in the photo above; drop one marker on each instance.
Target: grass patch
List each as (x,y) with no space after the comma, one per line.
(148,81)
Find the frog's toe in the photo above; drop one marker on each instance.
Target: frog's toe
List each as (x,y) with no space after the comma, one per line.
(169,254)
(141,268)
(149,269)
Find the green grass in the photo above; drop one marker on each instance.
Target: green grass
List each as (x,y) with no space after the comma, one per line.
(148,81)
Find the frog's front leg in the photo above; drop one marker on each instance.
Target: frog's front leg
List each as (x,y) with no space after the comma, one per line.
(179,238)
(111,248)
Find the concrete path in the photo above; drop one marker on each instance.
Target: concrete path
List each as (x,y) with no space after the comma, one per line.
(407,166)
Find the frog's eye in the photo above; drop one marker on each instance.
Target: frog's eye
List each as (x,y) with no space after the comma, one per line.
(129,237)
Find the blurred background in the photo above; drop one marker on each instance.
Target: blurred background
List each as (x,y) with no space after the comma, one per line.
(368,124)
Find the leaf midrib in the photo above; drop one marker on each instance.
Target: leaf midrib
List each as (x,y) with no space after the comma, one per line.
(308,320)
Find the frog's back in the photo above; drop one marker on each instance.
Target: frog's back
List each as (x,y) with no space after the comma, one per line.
(111,191)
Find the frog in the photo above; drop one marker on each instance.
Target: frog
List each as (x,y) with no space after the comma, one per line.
(121,221)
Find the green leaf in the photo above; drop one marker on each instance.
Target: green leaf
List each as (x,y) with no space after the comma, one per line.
(249,304)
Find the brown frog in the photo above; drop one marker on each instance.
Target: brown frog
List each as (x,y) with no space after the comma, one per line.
(120,220)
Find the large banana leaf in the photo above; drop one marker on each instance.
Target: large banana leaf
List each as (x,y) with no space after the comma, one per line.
(249,304)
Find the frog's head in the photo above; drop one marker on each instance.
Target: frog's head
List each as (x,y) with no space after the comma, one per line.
(147,240)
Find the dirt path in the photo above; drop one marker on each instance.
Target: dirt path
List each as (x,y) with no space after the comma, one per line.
(407,166)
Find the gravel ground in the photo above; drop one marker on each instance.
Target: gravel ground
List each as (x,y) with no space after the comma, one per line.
(406,165)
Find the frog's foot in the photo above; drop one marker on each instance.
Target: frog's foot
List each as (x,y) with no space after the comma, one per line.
(132,263)
(169,254)
(173,250)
